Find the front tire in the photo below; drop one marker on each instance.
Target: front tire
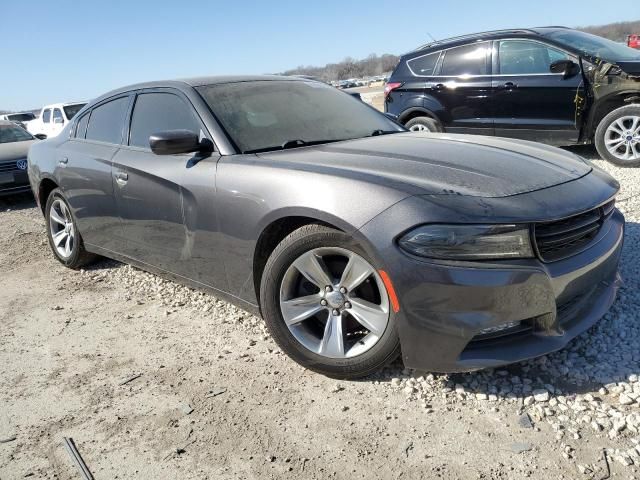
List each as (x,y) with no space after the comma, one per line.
(617,137)
(423,124)
(64,238)
(325,305)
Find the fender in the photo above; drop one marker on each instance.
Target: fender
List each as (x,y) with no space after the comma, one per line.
(596,113)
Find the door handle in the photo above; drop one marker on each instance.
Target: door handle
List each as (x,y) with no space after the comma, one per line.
(438,86)
(122,177)
(63,161)
(509,86)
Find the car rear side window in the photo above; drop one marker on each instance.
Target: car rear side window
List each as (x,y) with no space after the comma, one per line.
(81,129)
(46,116)
(523,57)
(466,60)
(157,112)
(107,120)
(57,114)
(424,66)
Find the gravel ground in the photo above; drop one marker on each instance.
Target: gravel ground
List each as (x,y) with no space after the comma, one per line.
(154,380)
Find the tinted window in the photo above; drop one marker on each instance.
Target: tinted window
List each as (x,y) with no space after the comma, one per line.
(424,66)
(71,110)
(12,133)
(82,126)
(521,57)
(21,117)
(271,115)
(105,124)
(156,112)
(57,115)
(467,60)
(46,116)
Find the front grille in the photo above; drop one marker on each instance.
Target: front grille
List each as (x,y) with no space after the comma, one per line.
(566,237)
(9,166)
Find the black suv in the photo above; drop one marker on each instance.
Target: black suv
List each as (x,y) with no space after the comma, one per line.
(552,84)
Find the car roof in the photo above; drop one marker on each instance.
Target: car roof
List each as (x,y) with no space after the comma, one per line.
(489,35)
(199,81)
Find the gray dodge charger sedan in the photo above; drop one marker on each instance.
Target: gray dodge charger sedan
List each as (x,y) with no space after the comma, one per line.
(354,239)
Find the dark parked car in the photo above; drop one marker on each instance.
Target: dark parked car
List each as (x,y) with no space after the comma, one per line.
(553,85)
(349,235)
(14,146)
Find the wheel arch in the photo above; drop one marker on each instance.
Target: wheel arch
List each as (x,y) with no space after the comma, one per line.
(606,105)
(278,228)
(45,187)
(414,112)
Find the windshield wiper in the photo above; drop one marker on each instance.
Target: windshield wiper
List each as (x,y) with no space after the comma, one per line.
(291,144)
(378,132)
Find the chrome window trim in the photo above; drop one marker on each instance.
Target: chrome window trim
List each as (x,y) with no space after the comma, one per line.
(466,77)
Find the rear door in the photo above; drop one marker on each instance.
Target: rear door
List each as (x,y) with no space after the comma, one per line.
(83,168)
(163,200)
(529,101)
(463,87)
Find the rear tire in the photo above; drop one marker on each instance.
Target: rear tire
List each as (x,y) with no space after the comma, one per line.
(423,124)
(310,340)
(62,231)
(617,137)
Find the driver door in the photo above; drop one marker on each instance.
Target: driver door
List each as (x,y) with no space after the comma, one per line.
(167,202)
(529,101)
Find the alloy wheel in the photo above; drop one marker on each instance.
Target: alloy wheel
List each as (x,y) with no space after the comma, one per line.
(418,127)
(334,302)
(622,138)
(62,229)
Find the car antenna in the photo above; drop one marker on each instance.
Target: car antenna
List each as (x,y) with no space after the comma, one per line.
(431,37)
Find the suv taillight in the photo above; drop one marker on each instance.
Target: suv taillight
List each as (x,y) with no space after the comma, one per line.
(390,87)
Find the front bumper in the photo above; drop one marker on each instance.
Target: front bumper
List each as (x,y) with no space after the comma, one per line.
(17,183)
(445,306)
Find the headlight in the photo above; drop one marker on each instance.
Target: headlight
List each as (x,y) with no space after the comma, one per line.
(468,242)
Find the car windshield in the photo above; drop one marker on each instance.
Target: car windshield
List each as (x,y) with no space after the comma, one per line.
(21,117)
(13,133)
(595,47)
(274,114)
(71,110)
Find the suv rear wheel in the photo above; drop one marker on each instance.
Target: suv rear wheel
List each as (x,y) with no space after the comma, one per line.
(423,124)
(618,136)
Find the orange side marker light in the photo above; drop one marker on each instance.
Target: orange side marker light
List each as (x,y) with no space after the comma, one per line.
(390,290)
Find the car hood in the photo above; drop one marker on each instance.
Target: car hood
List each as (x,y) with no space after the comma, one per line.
(14,150)
(446,164)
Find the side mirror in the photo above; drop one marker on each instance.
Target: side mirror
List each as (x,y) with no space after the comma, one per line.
(58,120)
(174,142)
(568,68)
(40,136)
(356,95)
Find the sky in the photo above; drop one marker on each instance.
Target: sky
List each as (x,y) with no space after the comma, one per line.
(64,50)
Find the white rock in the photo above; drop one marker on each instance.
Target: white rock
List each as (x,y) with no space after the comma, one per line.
(541,395)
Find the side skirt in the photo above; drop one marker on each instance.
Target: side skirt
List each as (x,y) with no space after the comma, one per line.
(187,282)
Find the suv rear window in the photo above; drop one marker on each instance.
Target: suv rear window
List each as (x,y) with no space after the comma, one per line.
(424,66)
(107,120)
(465,60)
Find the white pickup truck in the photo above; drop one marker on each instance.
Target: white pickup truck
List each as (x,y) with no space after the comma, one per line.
(53,118)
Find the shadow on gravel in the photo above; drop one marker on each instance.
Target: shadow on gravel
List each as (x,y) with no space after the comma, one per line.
(604,355)
(18,201)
